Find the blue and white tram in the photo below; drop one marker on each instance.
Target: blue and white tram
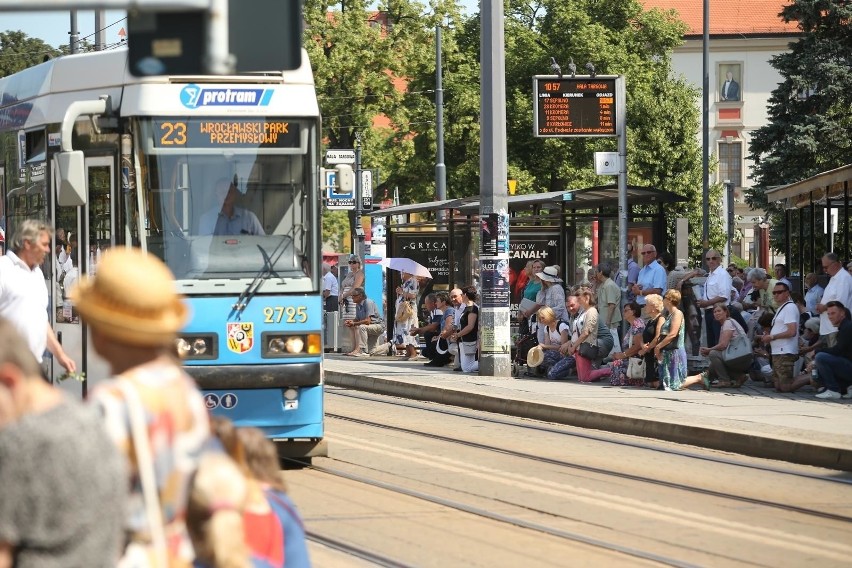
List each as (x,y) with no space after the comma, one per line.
(216,175)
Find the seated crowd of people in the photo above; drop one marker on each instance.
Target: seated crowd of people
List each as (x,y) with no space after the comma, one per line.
(755,328)
(739,324)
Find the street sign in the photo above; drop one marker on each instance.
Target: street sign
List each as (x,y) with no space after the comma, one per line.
(340,157)
(335,200)
(367,190)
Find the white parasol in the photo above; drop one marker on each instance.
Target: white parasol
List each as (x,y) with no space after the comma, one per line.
(403,264)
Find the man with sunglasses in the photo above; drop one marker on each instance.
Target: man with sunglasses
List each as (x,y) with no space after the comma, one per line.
(783,336)
(652,276)
(717,288)
(839,289)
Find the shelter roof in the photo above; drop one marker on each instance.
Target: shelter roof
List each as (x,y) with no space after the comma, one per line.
(798,194)
(585,198)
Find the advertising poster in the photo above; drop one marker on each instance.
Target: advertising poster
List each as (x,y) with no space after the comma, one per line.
(524,247)
(495,282)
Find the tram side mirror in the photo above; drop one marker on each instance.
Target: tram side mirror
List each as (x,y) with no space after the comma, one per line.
(72,178)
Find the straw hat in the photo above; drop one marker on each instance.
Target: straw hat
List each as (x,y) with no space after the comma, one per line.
(535,357)
(549,274)
(132,299)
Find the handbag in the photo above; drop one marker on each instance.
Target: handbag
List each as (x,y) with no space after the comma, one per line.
(738,348)
(589,351)
(636,368)
(138,555)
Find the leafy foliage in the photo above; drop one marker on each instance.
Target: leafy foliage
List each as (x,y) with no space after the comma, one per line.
(18,52)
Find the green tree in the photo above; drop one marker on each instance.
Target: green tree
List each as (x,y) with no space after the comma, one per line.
(810,112)
(619,38)
(18,52)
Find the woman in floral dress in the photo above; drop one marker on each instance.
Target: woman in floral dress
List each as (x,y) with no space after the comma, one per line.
(670,350)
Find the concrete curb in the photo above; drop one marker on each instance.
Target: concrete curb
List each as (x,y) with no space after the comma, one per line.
(790,450)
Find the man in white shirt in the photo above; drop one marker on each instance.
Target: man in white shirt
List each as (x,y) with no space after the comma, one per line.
(783,336)
(23,292)
(839,289)
(330,288)
(717,288)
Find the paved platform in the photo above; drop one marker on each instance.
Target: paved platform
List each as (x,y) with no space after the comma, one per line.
(753,420)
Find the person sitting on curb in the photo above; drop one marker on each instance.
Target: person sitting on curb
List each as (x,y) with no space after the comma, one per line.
(834,364)
(367,323)
(430,329)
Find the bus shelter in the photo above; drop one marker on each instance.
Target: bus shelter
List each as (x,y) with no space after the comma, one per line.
(816,216)
(572,229)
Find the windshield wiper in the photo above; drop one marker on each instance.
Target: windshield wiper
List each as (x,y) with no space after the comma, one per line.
(267,270)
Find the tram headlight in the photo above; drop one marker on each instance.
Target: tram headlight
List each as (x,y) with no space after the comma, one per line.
(196,346)
(285,345)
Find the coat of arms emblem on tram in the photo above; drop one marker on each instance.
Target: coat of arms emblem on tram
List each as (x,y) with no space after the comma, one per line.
(240,337)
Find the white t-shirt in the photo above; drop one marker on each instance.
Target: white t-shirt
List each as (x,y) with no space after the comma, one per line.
(839,289)
(718,284)
(329,282)
(24,300)
(788,313)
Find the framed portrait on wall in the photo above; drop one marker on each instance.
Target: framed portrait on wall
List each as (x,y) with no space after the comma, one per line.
(730,77)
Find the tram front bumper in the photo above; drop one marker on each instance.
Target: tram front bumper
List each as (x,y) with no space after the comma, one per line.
(229,377)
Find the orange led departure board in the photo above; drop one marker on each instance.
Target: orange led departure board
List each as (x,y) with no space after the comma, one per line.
(580,106)
(202,132)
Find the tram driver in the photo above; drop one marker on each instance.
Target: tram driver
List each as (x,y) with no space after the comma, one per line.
(228,219)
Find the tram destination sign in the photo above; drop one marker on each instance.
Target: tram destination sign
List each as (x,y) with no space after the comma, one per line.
(202,132)
(574,106)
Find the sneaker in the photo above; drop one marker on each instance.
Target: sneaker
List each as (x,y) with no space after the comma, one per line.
(361,354)
(829,394)
(848,394)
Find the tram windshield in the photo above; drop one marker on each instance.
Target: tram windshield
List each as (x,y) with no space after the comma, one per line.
(226,200)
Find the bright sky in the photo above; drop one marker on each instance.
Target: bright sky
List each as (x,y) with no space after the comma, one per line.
(53,27)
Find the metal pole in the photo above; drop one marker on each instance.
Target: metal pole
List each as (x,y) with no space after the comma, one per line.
(621,131)
(494,329)
(100,30)
(359,230)
(729,196)
(74,34)
(705,133)
(219,60)
(440,167)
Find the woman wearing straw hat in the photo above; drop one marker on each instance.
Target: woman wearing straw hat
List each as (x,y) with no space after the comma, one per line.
(551,295)
(134,315)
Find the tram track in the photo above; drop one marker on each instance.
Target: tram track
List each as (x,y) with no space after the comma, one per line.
(507,519)
(355,551)
(846,479)
(600,471)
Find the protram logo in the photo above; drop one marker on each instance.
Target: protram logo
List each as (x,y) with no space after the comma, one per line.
(193,96)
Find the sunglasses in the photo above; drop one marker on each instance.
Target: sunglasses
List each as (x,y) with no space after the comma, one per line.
(353,262)
(776,292)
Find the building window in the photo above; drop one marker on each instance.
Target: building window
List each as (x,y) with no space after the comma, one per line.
(731,163)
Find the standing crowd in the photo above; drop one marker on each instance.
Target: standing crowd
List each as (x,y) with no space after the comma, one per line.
(139,475)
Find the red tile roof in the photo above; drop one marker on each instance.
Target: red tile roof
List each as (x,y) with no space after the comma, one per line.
(729,16)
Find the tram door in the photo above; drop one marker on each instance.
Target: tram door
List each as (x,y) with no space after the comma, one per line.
(90,231)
